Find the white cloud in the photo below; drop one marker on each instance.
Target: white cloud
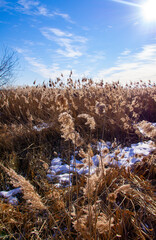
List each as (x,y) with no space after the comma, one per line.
(19,50)
(64,15)
(41,68)
(59,33)
(133,67)
(126,52)
(43,11)
(79,39)
(148,53)
(96,56)
(71,45)
(69,52)
(28,4)
(52,72)
(32,7)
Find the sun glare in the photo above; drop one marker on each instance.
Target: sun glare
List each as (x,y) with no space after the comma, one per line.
(149,10)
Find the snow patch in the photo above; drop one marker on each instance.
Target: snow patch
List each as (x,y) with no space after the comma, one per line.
(10,196)
(127,156)
(42,126)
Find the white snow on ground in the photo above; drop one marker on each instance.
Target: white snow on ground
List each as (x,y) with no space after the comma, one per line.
(10,196)
(42,126)
(60,173)
(129,153)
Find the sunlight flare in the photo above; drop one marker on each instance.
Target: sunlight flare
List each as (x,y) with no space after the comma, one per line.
(149,10)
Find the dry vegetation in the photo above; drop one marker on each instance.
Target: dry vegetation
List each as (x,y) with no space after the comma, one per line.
(113,203)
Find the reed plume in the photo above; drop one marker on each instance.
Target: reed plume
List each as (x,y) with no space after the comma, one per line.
(29,194)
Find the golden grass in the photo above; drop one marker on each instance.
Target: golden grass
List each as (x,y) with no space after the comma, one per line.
(113,203)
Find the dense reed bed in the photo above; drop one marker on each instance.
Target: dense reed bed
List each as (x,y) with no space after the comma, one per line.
(56,119)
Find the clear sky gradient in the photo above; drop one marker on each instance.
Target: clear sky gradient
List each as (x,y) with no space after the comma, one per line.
(100,39)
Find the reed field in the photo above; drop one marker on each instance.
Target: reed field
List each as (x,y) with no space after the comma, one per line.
(66,121)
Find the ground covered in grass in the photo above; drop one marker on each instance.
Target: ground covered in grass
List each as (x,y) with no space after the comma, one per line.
(78,161)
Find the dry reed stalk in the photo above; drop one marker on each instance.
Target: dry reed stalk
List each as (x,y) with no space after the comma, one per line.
(115,110)
(104,224)
(148,129)
(68,129)
(29,194)
(90,120)
(100,108)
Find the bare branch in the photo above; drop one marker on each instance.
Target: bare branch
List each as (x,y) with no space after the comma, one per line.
(8,65)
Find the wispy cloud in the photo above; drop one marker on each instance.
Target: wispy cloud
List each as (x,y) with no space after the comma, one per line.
(127,3)
(47,72)
(148,53)
(36,8)
(63,15)
(59,33)
(133,67)
(37,66)
(53,70)
(44,12)
(41,68)
(69,52)
(126,52)
(96,56)
(28,4)
(3,3)
(33,8)
(19,50)
(70,44)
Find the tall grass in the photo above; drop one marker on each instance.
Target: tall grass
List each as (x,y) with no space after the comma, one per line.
(41,122)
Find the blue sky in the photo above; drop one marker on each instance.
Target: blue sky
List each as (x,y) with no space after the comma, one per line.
(100,39)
